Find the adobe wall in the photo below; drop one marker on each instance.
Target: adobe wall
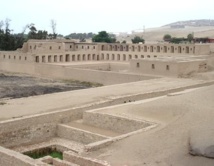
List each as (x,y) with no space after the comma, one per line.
(45,47)
(11,158)
(79,160)
(16,56)
(188,68)
(114,123)
(145,67)
(194,49)
(105,66)
(202,49)
(62,72)
(18,67)
(53,57)
(103,77)
(168,67)
(36,128)
(50,46)
(78,135)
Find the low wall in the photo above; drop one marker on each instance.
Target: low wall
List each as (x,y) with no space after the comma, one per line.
(169,67)
(103,77)
(18,67)
(66,72)
(76,159)
(115,123)
(78,135)
(12,158)
(105,66)
(33,129)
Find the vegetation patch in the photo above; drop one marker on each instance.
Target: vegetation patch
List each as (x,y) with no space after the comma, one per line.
(39,153)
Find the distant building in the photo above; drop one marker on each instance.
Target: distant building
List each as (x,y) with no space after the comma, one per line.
(204,40)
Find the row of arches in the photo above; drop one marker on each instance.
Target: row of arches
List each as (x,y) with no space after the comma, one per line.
(89,57)
(151,48)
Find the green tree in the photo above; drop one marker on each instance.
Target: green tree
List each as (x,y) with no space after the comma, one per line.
(33,32)
(103,36)
(167,37)
(40,34)
(138,39)
(9,41)
(190,37)
(177,40)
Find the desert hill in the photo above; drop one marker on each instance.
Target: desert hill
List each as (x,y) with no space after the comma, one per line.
(156,34)
(195,23)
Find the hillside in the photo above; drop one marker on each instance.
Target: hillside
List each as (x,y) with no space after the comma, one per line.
(195,23)
(156,34)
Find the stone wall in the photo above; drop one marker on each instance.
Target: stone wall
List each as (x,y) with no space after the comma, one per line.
(34,129)
(12,158)
(76,159)
(62,72)
(74,134)
(169,67)
(116,123)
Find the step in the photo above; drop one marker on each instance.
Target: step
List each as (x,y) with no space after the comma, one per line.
(80,125)
(79,135)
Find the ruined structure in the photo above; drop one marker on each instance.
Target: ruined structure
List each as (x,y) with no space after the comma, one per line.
(36,53)
(87,120)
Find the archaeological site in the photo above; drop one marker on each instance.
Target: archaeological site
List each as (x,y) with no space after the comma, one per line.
(156,105)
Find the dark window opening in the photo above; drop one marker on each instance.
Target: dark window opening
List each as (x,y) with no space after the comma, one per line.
(138,65)
(167,67)
(153,66)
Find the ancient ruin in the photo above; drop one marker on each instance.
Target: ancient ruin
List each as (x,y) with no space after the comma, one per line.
(79,124)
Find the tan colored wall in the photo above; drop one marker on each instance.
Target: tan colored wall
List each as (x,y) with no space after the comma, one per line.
(46,47)
(105,66)
(12,158)
(18,67)
(110,122)
(53,71)
(188,68)
(16,56)
(25,131)
(103,77)
(35,128)
(202,49)
(145,67)
(158,48)
(83,161)
(101,51)
(74,134)
(175,67)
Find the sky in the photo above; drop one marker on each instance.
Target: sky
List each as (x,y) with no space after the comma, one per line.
(82,16)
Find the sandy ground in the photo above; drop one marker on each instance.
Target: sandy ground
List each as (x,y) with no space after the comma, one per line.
(168,144)
(63,100)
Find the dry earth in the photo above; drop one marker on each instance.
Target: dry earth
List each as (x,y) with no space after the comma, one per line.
(20,85)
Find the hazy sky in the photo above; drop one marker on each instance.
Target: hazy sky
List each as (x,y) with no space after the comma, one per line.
(96,15)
